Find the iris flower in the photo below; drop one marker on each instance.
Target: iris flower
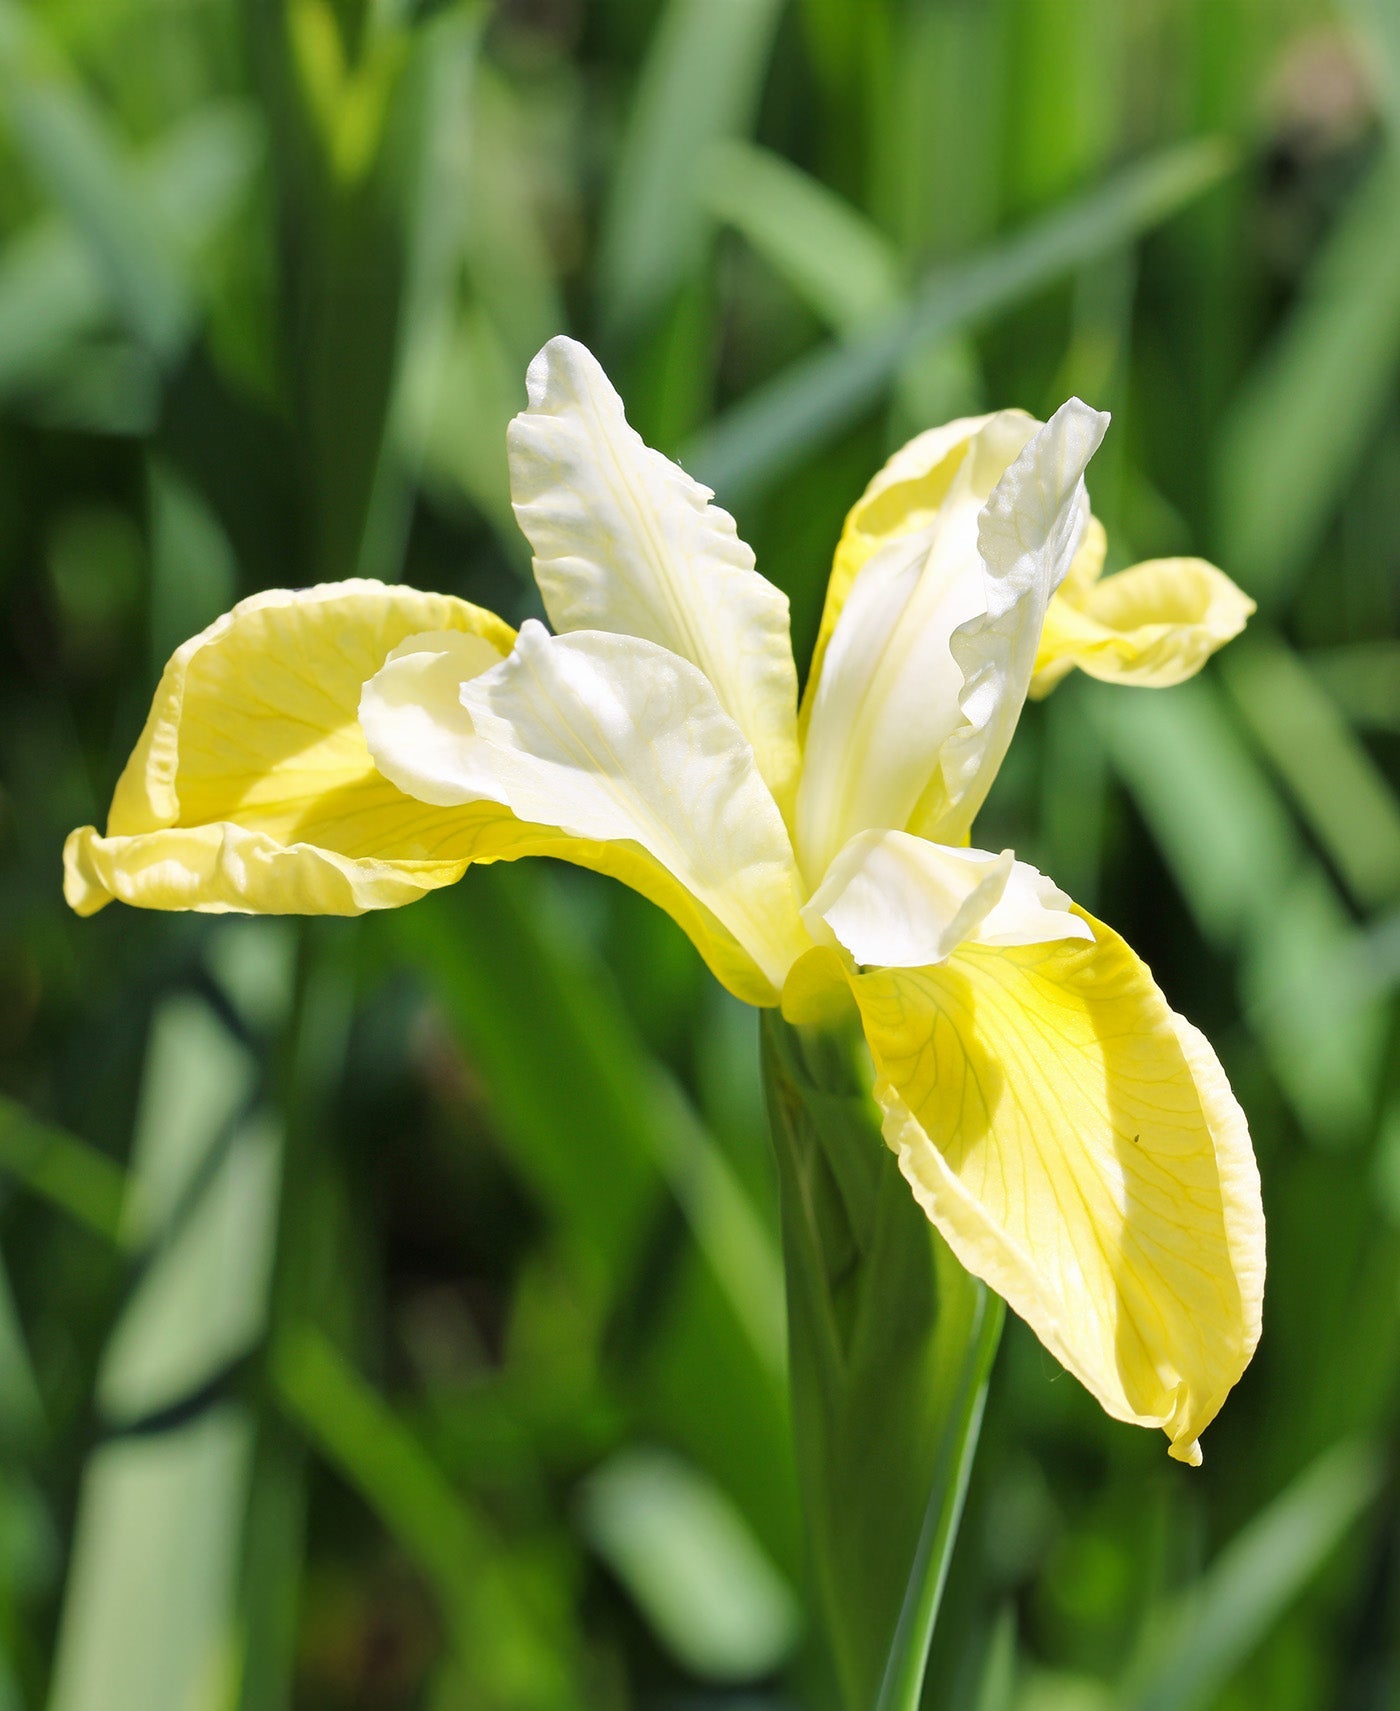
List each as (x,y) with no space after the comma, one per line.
(355,745)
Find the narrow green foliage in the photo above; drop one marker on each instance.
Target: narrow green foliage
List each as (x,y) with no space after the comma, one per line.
(832,258)
(1219,1621)
(634,1130)
(56,287)
(74,1176)
(891,1344)
(700,85)
(692,1564)
(513,1650)
(1303,422)
(760,439)
(69,146)
(1339,788)
(148,1617)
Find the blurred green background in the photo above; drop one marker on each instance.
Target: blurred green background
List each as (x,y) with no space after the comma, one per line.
(390,1312)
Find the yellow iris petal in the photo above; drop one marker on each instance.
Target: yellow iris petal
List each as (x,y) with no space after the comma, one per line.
(251,787)
(1078,1147)
(619,751)
(1153,626)
(817,991)
(730,963)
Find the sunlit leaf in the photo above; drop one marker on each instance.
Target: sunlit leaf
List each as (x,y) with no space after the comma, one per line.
(56,290)
(832,257)
(1351,808)
(692,1565)
(148,1619)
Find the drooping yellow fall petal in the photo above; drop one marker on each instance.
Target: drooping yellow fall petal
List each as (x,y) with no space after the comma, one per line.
(621,746)
(1153,625)
(251,787)
(625,541)
(1078,1147)
(223,867)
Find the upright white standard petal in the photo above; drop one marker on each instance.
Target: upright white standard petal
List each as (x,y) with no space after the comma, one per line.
(887,697)
(1027,536)
(609,739)
(897,901)
(625,541)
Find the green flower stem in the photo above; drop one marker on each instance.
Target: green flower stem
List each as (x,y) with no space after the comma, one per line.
(904,1672)
(890,1347)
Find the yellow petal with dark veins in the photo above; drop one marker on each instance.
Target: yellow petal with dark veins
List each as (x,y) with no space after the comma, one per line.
(251,787)
(1152,626)
(1078,1147)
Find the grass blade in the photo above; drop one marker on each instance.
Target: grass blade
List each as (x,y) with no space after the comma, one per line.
(1341,792)
(1363,678)
(77,1178)
(699,84)
(53,288)
(840,264)
(996,1684)
(628,1126)
(68,147)
(146,1621)
(1309,411)
(514,1654)
(692,1565)
(1220,1621)
(767,433)
(148,1611)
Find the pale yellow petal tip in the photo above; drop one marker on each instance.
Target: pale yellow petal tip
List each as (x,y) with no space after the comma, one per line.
(817,992)
(223,868)
(1117,1212)
(1150,627)
(83,890)
(251,789)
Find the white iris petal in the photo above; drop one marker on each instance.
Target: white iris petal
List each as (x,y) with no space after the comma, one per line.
(897,901)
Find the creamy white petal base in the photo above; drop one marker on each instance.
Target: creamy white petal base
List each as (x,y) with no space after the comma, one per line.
(608,738)
(928,665)
(897,901)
